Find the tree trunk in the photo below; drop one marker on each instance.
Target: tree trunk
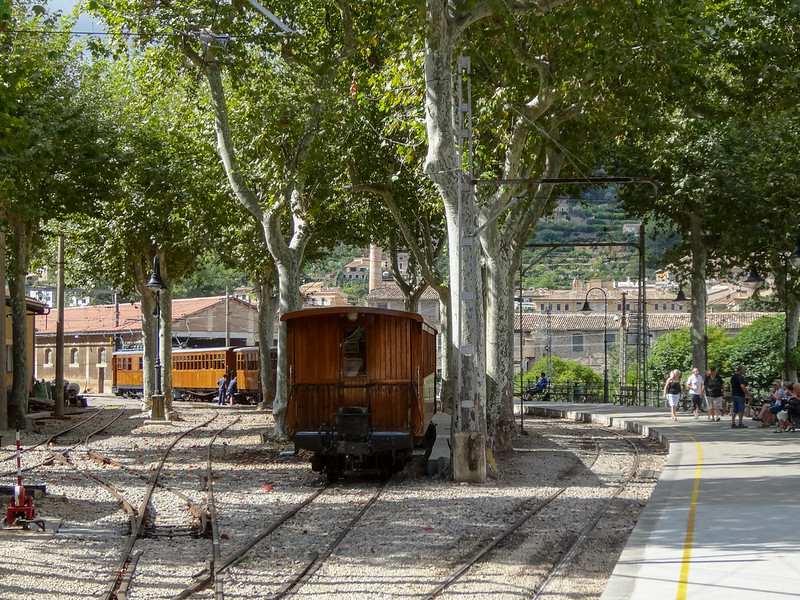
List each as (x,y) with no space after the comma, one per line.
(288,266)
(3,335)
(267,307)
(793,318)
(499,351)
(148,341)
(699,298)
(21,236)
(447,358)
(287,257)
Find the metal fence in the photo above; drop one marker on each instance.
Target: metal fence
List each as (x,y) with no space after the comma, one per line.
(627,395)
(593,392)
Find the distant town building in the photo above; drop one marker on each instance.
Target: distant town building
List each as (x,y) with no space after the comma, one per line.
(46,294)
(359,268)
(387,294)
(579,337)
(318,294)
(661,297)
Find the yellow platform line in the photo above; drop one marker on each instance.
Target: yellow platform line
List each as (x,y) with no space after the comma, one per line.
(689,540)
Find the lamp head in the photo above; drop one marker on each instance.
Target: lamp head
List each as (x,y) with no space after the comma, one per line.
(794,257)
(586,308)
(681,297)
(156,283)
(754,277)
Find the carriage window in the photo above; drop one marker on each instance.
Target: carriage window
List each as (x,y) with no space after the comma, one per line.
(355,352)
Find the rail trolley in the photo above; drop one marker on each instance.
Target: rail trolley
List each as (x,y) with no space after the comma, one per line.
(361,387)
(195,372)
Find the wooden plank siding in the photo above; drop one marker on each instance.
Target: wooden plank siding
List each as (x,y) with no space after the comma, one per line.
(400,360)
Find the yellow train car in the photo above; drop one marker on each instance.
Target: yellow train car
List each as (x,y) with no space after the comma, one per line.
(361,386)
(196,371)
(248,382)
(126,373)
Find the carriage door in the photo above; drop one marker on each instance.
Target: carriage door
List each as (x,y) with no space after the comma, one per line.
(354,366)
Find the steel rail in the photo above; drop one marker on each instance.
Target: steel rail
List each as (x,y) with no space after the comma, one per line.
(592,524)
(124,563)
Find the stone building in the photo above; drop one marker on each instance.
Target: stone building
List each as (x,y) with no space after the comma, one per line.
(579,337)
(387,294)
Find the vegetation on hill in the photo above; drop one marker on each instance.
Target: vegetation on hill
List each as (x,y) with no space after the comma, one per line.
(595,216)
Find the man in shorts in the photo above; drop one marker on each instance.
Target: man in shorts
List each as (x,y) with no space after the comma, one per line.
(738,394)
(695,385)
(713,387)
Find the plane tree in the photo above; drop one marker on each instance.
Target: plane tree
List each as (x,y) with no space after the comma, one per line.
(275,95)
(385,151)
(58,157)
(169,203)
(550,80)
(721,149)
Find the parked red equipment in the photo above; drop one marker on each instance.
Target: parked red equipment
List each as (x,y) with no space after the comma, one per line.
(21,510)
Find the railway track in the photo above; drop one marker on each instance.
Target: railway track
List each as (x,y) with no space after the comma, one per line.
(278,530)
(542,557)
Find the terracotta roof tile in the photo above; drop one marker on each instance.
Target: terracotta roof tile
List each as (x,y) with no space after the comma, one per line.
(101,319)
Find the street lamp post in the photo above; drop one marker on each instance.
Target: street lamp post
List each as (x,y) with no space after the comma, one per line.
(587,309)
(156,284)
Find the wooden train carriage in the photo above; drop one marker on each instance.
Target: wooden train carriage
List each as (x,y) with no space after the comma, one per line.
(196,371)
(248,382)
(126,373)
(361,385)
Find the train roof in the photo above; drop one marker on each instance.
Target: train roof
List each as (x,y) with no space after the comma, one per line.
(191,350)
(252,348)
(177,350)
(346,310)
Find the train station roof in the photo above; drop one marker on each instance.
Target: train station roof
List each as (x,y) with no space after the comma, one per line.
(112,318)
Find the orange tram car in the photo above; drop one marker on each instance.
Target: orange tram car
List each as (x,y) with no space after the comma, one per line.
(361,387)
(195,372)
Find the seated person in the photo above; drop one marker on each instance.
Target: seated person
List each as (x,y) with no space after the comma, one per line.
(539,388)
(783,421)
(772,405)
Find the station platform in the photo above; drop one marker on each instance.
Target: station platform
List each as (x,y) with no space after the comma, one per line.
(720,524)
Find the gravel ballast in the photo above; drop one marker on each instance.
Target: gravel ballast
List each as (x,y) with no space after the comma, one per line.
(418,531)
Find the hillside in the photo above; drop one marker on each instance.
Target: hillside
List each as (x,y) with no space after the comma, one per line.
(595,216)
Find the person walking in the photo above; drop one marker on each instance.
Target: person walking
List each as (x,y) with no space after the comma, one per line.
(223,387)
(672,392)
(695,385)
(738,394)
(232,389)
(713,387)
